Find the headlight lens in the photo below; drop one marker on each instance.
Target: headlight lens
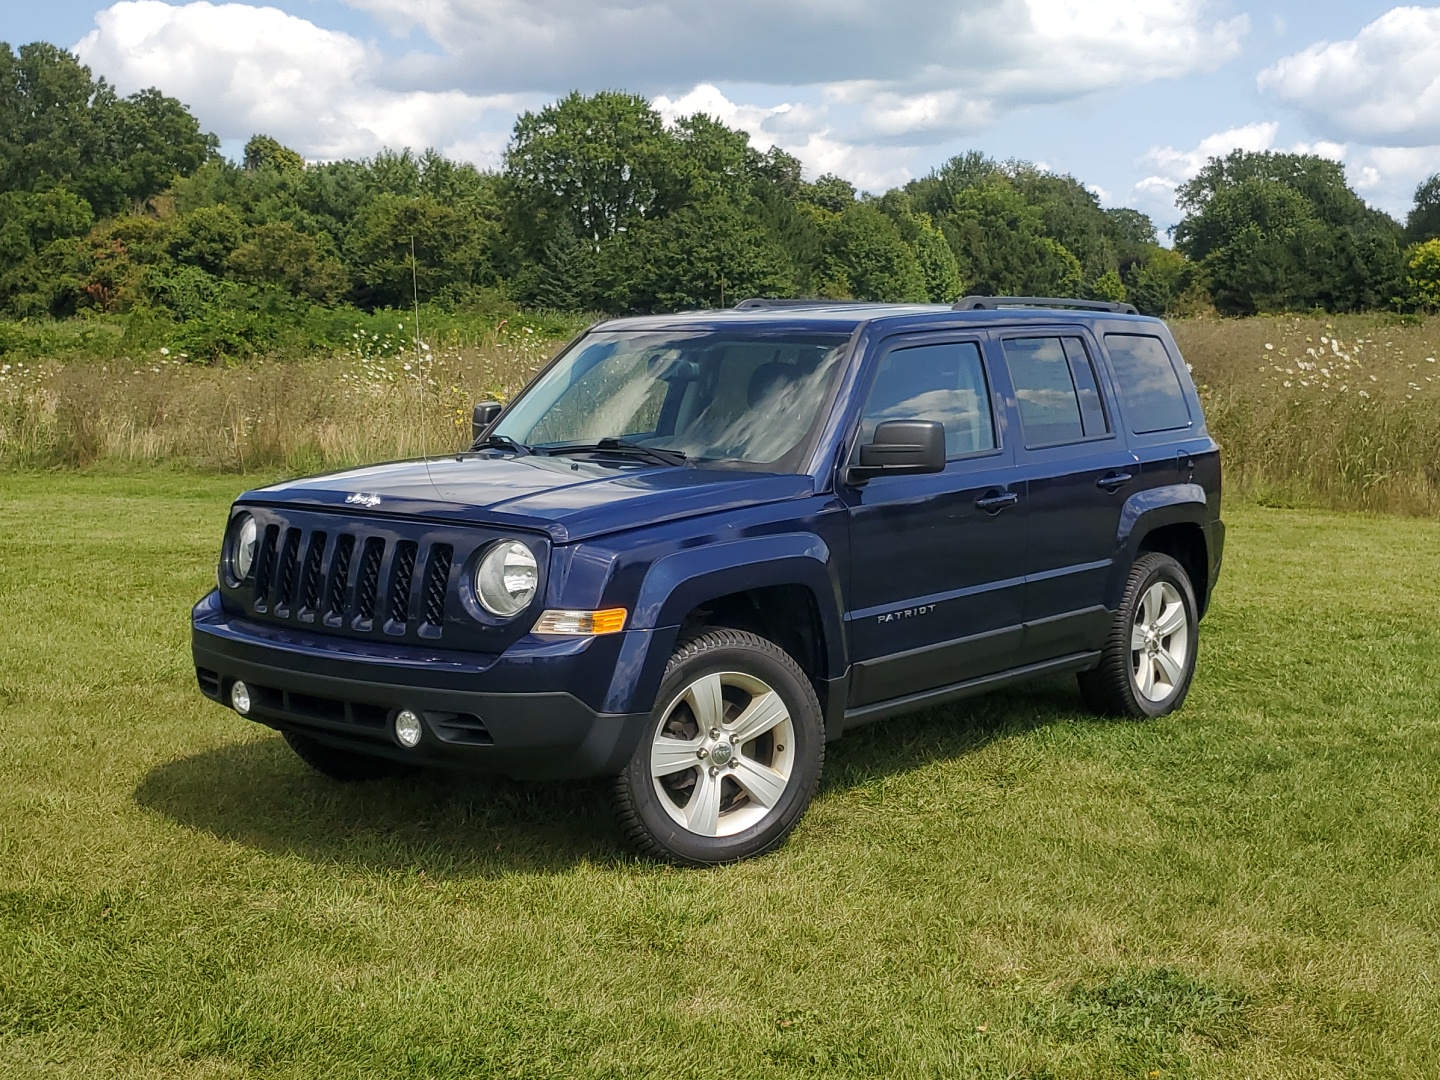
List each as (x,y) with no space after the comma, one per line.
(242,548)
(506,579)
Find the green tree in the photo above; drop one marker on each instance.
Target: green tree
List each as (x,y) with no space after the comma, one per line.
(703,255)
(1422,275)
(1002,248)
(283,256)
(1423,222)
(58,126)
(1156,282)
(263,152)
(1284,232)
(449,245)
(33,229)
(206,237)
(597,164)
(866,258)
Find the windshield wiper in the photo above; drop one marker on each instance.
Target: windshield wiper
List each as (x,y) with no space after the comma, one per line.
(501,442)
(658,454)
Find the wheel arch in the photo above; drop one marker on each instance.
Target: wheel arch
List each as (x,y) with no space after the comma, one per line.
(1169,520)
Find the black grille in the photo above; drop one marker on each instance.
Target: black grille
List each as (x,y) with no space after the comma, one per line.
(285,571)
(264,565)
(368,582)
(310,581)
(401,576)
(437,579)
(336,592)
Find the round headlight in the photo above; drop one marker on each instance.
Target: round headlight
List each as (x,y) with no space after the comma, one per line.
(242,548)
(506,579)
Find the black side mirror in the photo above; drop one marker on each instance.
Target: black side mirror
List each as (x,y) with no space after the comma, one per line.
(901,448)
(484,415)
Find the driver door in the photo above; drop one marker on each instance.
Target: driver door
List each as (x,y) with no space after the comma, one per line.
(937,567)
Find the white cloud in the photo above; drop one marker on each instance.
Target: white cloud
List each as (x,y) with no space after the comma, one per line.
(247,70)
(1381,87)
(920,69)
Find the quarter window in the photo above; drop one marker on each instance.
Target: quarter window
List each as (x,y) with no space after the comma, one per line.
(944,382)
(1056,389)
(1148,383)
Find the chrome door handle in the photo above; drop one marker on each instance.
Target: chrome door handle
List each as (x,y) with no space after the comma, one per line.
(995,502)
(1114,481)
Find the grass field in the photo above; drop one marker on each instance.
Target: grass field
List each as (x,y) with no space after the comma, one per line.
(1011,889)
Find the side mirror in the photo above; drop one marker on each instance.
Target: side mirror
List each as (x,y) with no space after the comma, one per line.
(484,415)
(901,448)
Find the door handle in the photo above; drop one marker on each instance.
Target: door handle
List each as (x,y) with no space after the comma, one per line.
(1114,481)
(995,501)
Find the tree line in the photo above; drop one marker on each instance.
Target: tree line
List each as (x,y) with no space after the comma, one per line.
(112,204)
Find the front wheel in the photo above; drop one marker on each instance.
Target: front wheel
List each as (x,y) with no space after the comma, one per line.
(731,758)
(1149,660)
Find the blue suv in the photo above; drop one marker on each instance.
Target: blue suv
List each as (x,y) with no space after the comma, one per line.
(698,547)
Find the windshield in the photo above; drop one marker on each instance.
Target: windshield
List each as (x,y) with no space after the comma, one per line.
(713,396)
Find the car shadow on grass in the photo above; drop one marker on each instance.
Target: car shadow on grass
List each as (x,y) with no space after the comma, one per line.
(257,793)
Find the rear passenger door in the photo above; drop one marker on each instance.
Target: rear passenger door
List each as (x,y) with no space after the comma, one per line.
(1168,442)
(1078,471)
(938,560)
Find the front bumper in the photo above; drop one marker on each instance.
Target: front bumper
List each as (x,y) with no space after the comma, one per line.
(482,713)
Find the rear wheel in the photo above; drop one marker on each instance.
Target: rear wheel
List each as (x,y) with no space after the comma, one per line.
(337,764)
(1149,660)
(731,758)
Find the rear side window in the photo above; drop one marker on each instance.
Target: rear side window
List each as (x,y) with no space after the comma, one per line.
(1148,383)
(944,382)
(1056,388)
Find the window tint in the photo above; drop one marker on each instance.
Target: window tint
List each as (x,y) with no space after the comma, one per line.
(1148,383)
(1045,390)
(1092,412)
(935,382)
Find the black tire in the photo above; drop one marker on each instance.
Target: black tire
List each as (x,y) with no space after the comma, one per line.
(343,765)
(742,670)
(1114,688)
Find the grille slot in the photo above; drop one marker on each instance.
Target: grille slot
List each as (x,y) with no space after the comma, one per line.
(310,580)
(264,564)
(402,574)
(368,582)
(335,591)
(285,572)
(437,580)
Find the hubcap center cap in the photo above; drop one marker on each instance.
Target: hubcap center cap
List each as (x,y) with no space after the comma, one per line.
(721,753)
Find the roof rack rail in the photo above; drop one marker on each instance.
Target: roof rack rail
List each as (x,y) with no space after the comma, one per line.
(759,303)
(988,303)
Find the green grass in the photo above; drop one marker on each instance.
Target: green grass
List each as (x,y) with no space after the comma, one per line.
(1008,889)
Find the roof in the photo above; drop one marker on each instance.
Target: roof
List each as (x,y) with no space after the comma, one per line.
(846,317)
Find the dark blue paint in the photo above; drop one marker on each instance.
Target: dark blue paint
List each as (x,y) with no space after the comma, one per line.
(916,588)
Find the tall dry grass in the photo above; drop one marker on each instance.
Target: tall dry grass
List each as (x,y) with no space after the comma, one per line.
(1340,412)
(373,402)
(1334,412)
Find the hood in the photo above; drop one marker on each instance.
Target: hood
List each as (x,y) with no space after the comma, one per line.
(570,498)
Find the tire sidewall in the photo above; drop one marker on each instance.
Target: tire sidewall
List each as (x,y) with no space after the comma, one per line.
(1161,568)
(747,657)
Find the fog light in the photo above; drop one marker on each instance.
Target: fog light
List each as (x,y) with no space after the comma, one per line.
(408,728)
(240,698)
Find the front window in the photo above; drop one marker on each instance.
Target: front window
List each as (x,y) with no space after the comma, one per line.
(716,397)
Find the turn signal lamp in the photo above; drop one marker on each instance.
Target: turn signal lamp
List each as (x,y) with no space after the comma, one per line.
(581,623)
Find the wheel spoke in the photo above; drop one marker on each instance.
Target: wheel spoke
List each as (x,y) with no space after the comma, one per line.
(763,713)
(1171,620)
(702,812)
(1154,598)
(763,784)
(1169,667)
(1145,677)
(669,755)
(1137,638)
(706,702)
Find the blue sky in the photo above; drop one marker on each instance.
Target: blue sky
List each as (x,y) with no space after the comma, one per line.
(1128,97)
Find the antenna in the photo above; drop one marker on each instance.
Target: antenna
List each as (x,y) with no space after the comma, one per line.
(419,361)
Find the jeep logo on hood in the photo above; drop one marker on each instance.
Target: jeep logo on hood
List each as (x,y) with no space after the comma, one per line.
(361,498)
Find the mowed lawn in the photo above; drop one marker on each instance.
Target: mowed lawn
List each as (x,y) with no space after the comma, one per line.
(1004,889)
